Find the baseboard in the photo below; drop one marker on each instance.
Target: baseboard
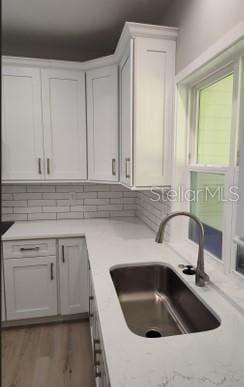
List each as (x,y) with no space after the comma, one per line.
(44,320)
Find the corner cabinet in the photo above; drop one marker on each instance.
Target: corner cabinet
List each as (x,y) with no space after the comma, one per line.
(102,123)
(147,72)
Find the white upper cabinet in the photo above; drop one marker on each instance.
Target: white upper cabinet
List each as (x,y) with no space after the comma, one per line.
(146,94)
(102,123)
(22,135)
(64,117)
(125,100)
(126,108)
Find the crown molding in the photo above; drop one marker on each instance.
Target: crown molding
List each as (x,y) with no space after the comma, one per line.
(130,31)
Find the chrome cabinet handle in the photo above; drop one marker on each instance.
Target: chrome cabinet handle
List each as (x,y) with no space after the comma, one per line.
(63,257)
(51,267)
(30,248)
(48,166)
(114,167)
(127,164)
(39,166)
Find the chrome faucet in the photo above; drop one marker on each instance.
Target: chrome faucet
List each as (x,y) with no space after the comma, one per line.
(201,276)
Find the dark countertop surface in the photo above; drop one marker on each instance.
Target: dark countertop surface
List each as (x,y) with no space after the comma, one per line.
(4,226)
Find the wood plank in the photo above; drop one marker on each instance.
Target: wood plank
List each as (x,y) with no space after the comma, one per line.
(52,355)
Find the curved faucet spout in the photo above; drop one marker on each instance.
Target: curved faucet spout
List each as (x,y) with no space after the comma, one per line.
(201,276)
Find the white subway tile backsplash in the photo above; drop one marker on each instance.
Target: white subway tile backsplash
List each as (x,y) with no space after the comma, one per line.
(69,188)
(42,216)
(86,195)
(26,210)
(123,200)
(26,196)
(124,213)
(42,202)
(96,201)
(150,211)
(7,196)
(113,194)
(68,202)
(83,208)
(14,203)
(13,188)
(96,187)
(111,207)
(14,217)
(55,209)
(7,210)
(70,215)
(97,214)
(56,195)
(40,188)
(78,201)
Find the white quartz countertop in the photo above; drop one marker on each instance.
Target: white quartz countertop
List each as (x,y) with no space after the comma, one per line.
(212,358)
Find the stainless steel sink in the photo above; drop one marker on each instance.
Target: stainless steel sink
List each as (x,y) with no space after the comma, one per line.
(156,302)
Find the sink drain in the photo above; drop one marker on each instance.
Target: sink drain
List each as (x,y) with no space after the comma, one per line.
(153,333)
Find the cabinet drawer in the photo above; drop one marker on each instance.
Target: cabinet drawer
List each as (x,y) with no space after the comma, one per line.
(29,248)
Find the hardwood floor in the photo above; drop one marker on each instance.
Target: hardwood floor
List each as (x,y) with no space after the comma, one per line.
(52,355)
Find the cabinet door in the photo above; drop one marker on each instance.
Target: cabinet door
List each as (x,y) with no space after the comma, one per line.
(3,314)
(31,287)
(63,97)
(73,276)
(153,110)
(102,121)
(22,135)
(126,101)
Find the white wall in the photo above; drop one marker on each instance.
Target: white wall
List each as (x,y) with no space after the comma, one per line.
(201,23)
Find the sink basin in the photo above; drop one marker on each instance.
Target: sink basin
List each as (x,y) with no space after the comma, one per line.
(157,303)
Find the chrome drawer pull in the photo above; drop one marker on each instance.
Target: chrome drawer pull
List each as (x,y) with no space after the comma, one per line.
(48,166)
(114,167)
(30,248)
(52,276)
(63,257)
(127,162)
(39,166)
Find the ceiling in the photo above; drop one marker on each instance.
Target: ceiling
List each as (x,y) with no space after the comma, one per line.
(71,29)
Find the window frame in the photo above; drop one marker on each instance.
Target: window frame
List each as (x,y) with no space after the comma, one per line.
(225,170)
(188,93)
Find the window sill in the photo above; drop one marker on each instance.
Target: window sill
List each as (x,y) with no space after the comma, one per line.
(231,287)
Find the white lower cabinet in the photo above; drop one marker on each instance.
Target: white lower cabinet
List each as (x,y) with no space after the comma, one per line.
(31,287)
(73,276)
(3,311)
(42,281)
(100,365)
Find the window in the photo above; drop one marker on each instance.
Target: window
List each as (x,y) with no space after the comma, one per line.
(214,122)
(209,208)
(211,133)
(210,118)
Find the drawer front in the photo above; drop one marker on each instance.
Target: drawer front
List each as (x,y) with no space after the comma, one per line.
(29,248)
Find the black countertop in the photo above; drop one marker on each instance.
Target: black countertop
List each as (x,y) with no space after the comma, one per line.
(4,226)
